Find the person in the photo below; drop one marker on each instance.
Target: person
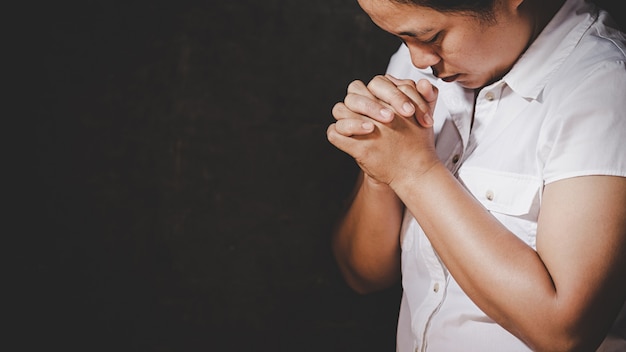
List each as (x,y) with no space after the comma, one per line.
(492,175)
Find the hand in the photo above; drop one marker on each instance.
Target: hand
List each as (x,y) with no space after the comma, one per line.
(386,148)
(423,94)
(381,100)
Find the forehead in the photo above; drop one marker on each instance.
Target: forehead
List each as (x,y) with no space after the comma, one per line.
(399,18)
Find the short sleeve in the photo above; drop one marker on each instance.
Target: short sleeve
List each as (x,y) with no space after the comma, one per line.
(586,134)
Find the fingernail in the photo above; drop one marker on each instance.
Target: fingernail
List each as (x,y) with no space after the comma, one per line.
(429,119)
(367,125)
(408,108)
(388,114)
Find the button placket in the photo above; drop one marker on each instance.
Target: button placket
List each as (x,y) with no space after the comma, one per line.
(430,306)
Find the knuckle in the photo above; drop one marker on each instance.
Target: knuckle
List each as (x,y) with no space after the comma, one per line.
(330,133)
(376,81)
(357,103)
(361,105)
(338,109)
(398,95)
(371,107)
(354,85)
(406,90)
(407,82)
(350,101)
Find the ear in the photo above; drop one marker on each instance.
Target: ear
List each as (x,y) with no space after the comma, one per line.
(509,5)
(514,4)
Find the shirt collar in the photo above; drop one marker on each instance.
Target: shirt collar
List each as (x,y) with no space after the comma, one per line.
(534,68)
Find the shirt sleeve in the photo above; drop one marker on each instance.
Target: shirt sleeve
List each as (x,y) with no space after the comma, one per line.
(586,134)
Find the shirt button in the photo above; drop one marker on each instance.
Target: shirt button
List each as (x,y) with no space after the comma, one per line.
(455,159)
(436,287)
(489,96)
(489,195)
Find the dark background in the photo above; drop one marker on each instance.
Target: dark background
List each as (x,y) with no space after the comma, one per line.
(180,191)
(176,191)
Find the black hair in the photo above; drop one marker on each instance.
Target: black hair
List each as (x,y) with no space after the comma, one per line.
(482,9)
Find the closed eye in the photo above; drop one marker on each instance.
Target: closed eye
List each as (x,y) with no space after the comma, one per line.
(433,39)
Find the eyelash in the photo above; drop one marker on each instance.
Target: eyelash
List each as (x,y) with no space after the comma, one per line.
(433,39)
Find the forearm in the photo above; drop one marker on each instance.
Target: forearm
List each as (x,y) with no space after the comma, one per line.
(366,241)
(505,277)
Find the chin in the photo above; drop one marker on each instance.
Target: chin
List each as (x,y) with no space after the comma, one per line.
(468,83)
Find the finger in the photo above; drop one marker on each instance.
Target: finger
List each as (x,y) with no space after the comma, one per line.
(386,90)
(399,82)
(350,123)
(337,139)
(340,111)
(423,94)
(429,93)
(354,127)
(358,87)
(332,135)
(423,113)
(368,106)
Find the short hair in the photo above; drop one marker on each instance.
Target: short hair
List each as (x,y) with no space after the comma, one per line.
(482,9)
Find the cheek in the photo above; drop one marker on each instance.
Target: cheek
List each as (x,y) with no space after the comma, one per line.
(477,54)
(464,55)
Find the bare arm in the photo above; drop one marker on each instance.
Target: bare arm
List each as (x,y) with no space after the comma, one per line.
(366,243)
(562,297)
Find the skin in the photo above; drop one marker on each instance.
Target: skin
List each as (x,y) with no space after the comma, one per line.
(561,297)
(458,44)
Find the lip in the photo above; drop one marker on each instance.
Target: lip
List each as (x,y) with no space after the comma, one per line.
(450,78)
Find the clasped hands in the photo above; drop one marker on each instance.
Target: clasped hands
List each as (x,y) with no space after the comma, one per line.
(386,127)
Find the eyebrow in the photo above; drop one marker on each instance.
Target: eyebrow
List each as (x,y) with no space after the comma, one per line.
(416,34)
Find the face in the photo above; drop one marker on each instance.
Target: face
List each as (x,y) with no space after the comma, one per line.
(458,47)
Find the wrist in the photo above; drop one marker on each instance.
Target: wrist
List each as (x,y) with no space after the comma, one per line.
(372,184)
(415,177)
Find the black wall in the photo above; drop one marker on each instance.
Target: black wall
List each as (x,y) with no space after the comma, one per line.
(179,190)
(174,188)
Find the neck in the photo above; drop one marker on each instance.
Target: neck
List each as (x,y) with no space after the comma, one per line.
(543,11)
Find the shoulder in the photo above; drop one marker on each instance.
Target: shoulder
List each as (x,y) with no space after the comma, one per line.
(585,120)
(599,52)
(585,123)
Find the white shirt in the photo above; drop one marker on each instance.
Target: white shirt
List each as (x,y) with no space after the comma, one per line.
(559,113)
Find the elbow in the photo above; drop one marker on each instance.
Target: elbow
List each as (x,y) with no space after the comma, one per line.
(364,274)
(364,287)
(566,344)
(364,278)
(366,284)
(360,288)
(566,341)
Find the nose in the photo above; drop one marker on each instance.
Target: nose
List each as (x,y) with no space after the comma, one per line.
(423,56)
